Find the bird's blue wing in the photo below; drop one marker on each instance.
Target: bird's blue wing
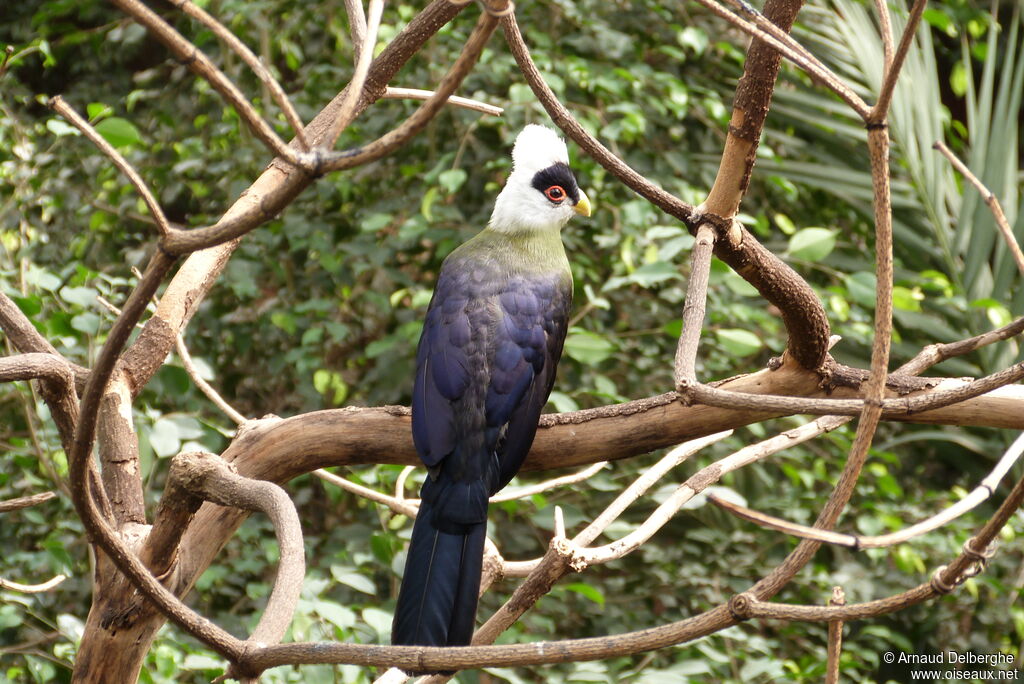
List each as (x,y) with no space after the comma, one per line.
(442,373)
(530,333)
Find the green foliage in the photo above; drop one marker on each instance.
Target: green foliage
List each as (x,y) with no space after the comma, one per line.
(322,308)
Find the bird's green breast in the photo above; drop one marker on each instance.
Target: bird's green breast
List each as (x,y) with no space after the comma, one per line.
(525,254)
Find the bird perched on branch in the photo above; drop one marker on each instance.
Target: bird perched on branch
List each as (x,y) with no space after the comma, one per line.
(485,366)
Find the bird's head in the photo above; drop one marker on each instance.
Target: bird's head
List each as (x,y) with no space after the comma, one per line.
(541,192)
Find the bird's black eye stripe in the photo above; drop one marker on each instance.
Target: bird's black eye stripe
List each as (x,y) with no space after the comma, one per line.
(557,174)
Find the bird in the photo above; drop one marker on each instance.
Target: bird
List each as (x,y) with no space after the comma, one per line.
(485,365)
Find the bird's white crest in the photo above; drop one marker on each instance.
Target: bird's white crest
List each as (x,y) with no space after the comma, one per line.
(536,148)
(520,206)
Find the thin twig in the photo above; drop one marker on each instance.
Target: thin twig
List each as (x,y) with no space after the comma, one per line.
(364,55)
(937,353)
(981,493)
(695,305)
(894,407)
(397,505)
(400,481)
(58,104)
(32,588)
(392,140)
(205,387)
(990,199)
(835,639)
(969,562)
(419,94)
(357,26)
(513,493)
(25,501)
(885,29)
(764,30)
(203,66)
(880,111)
(253,62)
(647,479)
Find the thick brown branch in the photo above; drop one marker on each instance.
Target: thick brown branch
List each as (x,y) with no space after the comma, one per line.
(26,339)
(119,454)
(749,111)
(835,638)
(211,478)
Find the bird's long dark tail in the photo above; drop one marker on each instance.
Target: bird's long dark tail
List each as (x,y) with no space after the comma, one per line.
(437,601)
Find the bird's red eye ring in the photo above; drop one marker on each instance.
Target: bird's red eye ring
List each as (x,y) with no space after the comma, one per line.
(555,193)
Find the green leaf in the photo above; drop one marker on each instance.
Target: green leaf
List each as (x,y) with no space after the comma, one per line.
(645,276)
(87,322)
(30,306)
(738,342)
(98,110)
(812,244)
(861,288)
(84,297)
(165,437)
(587,347)
(375,222)
(285,321)
(906,299)
(562,402)
(452,179)
(60,128)
(785,224)
(337,614)
(41,278)
(587,591)
(379,620)
(119,132)
(353,579)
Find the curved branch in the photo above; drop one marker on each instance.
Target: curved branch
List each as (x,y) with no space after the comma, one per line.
(32,588)
(981,493)
(79,459)
(802,311)
(392,140)
(26,339)
(64,109)
(936,353)
(202,66)
(209,477)
(252,61)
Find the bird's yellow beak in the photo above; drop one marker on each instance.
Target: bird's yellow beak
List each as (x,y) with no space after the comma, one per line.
(583,206)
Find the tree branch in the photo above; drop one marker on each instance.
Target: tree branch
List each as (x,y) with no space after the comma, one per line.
(989,198)
(25,501)
(252,61)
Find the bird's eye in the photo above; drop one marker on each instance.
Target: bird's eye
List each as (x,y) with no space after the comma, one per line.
(555,193)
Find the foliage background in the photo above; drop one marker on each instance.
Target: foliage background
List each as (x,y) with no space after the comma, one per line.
(321,308)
